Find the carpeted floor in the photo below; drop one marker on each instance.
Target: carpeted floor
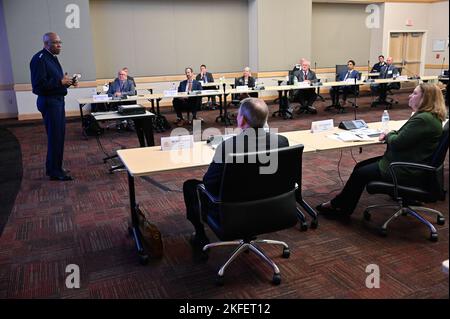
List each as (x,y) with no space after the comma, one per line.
(84,222)
(10,173)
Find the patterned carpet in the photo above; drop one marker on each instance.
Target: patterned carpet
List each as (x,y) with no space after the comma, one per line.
(84,222)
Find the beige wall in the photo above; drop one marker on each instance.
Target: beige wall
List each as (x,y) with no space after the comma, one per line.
(431,18)
(163,37)
(438,26)
(339,33)
(284,33)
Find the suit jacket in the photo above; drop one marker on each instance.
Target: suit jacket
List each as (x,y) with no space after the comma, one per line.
(240,81)
(196,86)
(213,177)
(415,142)
(127,89)
(388,71)
(46,75)
(209,77)
(301,76)
(377,67)
(353,75)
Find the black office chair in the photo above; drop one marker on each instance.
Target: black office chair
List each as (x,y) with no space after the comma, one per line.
(238,215)
(431,189)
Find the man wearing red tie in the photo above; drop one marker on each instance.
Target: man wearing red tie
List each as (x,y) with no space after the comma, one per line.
(306,97)
(188,104)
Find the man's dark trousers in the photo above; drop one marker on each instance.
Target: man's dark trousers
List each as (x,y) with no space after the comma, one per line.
(52,109)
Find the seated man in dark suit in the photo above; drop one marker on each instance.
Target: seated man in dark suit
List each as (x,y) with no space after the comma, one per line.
(189,104)
(251,120)
(377,66)
(206,77)
(121,86)
(351,73)
(248,80)
(306,97)
(388,71)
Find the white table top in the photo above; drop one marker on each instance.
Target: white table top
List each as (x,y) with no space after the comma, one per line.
(114,115)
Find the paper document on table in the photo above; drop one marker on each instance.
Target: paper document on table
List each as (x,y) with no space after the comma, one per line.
(352,137)
(367,131)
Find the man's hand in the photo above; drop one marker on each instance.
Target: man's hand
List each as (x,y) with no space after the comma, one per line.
(66,81)
(382,137)
(118,94)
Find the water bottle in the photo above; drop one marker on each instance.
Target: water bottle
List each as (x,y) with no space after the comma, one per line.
(385,122)
(295,80)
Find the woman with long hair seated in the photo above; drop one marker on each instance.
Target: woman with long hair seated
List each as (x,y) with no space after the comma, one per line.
(415,142)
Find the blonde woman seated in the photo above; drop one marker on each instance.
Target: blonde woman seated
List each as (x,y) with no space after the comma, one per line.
(415,142)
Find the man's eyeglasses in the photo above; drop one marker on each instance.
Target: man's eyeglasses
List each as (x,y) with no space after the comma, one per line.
(56,42)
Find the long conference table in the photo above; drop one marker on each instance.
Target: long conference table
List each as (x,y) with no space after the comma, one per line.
(225,91)
(146,161)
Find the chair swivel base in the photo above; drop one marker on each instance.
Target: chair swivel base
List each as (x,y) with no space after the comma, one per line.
(284,113)
(245,246)
(388,105)
(408,210)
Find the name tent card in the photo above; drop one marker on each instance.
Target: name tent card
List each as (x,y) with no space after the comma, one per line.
(177,142)
(169,93)
(242,88)
(100,98)
(322,126)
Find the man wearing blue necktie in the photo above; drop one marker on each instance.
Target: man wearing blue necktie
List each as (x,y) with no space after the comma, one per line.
(351,73)
(188,104)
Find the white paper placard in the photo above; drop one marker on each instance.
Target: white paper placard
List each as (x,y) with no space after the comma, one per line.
(302,84)
(351,80)
(438,45)
(170,93)
(402,78)
(321,126)
(177,142)
(242,88)
(100,98)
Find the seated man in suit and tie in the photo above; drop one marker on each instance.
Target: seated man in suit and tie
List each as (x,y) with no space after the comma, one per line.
(251,119)
(121,87)
(248,80)
(306,97)
(351,73)
(206,77)
(187,104)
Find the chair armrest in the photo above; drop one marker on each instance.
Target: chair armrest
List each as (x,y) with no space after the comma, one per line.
(395,165)
(202,189)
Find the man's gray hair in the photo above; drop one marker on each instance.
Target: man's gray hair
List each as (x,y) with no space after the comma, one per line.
(255,112)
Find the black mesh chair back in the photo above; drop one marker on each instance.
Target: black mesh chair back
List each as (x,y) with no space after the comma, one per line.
(339,69)
(258,197)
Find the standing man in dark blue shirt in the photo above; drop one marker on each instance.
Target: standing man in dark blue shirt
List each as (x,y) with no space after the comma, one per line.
(50,84)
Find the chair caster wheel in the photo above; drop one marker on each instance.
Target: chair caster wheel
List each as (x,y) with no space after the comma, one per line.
(383,232)
(434,237)
(366,215)
(440,220)
(276,280)
(314,224)
(304,226)
(286,253)
(220,281)
(143,259)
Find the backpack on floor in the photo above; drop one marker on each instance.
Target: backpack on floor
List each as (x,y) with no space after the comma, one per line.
(91,126)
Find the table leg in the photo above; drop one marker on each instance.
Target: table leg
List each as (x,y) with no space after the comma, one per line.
(134,228)
(83,132)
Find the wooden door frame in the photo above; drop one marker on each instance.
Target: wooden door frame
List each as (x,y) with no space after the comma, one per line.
(423,51)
